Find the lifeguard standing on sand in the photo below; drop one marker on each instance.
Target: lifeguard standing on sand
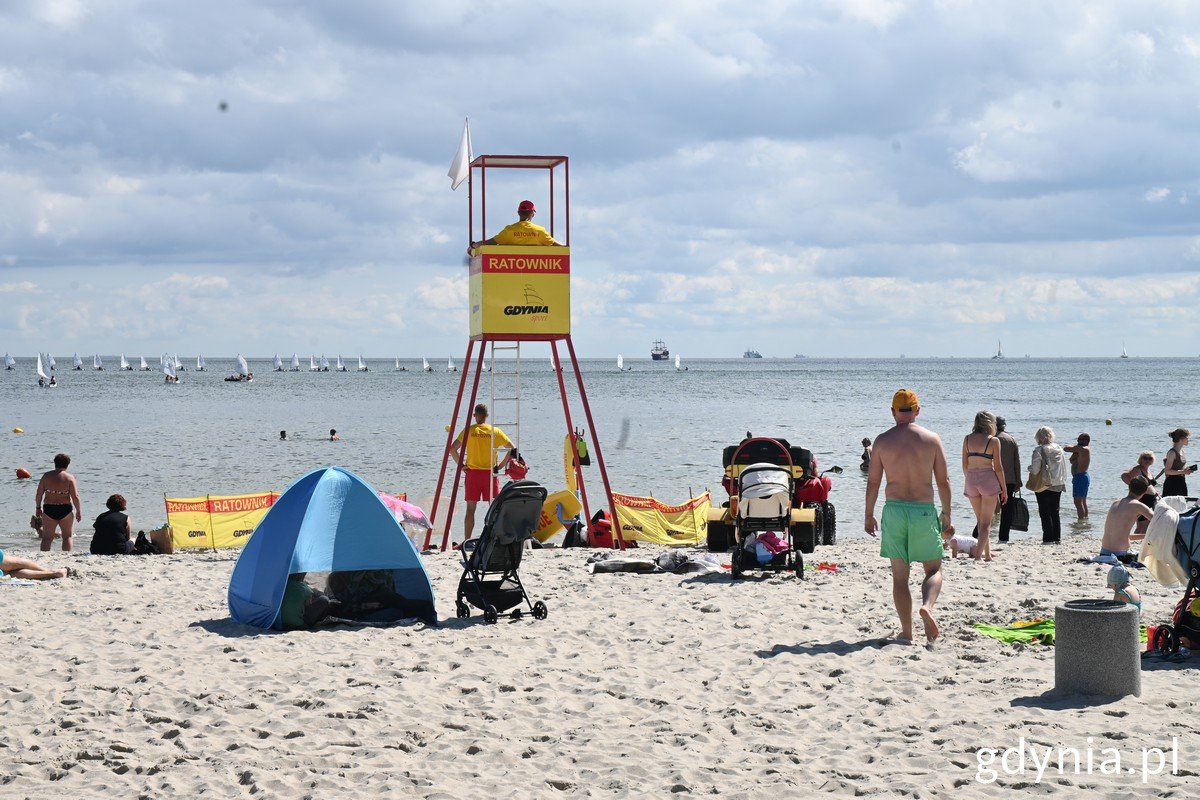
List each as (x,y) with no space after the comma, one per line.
(912,459)
(481,481)
(522,232)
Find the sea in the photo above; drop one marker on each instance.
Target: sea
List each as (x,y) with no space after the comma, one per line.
(661,430)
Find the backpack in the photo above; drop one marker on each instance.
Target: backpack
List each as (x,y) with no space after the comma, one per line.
(144,547)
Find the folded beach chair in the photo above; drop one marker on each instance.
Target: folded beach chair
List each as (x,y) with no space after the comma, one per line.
(490,579)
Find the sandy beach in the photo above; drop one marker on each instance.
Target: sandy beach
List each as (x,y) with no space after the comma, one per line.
(131,680)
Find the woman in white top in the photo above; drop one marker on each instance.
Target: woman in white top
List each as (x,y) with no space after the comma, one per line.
(1049,462)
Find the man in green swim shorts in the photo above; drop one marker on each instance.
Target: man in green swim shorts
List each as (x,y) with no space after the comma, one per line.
(912,460)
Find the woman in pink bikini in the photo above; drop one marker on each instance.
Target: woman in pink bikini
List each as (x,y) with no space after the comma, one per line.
(984,473)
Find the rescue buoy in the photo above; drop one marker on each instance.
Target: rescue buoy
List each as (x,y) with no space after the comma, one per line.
(1108,422)
(18,430)
(23,473)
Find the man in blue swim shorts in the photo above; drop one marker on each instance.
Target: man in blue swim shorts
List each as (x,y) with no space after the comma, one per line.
(912,460)
(1081,481)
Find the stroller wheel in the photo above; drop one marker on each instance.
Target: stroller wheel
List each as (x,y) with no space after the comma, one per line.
(799,565)
(516,613)
(490,616)
(735,561)
(1166,640)
(539,610)
(462,610)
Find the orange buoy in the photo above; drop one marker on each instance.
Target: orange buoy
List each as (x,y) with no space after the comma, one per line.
(23,473)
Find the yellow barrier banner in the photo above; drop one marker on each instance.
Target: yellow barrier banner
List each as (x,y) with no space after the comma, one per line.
(645,519)
(213,522)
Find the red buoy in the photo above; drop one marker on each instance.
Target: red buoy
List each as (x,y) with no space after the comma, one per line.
(23,473)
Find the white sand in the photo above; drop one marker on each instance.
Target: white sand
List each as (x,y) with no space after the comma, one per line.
(132,681)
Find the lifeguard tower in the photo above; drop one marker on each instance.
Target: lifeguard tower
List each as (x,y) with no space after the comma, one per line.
(518,295)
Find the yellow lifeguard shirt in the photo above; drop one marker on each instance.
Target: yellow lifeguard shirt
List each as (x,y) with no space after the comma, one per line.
(479,445)
(524,233)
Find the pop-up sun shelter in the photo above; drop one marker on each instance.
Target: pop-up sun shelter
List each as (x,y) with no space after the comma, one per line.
(328,521)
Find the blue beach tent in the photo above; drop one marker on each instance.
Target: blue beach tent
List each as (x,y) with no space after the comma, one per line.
(329,520)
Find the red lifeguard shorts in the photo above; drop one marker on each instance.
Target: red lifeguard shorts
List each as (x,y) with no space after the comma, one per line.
(481,485)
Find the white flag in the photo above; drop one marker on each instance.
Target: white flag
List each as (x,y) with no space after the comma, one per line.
(460,167)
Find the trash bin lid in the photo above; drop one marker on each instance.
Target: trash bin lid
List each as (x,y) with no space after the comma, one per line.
(1094,605)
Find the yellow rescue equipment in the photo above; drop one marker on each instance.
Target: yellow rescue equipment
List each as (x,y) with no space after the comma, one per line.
(549,524)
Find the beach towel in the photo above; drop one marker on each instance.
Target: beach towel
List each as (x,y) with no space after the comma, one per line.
(17,582)
(1158,548)
(1036,631)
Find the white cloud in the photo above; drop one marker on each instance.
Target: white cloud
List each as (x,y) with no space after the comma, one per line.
(1157,194)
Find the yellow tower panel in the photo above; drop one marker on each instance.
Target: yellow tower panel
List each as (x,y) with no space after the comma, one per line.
(521,291)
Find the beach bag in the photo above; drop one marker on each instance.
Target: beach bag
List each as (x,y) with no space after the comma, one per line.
(35,522)
(143,546)
(1038,481)
(1020,512)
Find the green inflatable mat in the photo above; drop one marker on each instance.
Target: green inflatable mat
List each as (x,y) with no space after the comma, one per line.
(1038,631)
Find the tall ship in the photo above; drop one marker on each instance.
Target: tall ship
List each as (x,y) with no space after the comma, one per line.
(659,351)
(751,354)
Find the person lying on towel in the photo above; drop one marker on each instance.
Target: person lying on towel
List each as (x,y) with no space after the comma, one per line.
(1122,516)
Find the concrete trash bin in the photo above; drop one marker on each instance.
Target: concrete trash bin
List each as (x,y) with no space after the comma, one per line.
(1096,648)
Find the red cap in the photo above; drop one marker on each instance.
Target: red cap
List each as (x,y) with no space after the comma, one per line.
(526,205)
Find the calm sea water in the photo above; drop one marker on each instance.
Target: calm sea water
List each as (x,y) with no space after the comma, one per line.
(662,431)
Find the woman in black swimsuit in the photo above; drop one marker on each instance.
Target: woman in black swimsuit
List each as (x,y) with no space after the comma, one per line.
(61,508)
(1175,465)
(1150,498)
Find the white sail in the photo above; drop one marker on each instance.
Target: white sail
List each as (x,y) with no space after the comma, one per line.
(425,365)
(341,365)
(620,363)
(1124,354)
(50,361)
(9,361)
(162,360)
(397,365)
(295,363)
(242,367)
(361,366)
(168,366)
(999,350)
(124,362)
(450,365)
(312,364)
(97,363)
(278,365)
(677,366)
(144,367)
(41,369)
(324,363)
(76,362)
(200,364)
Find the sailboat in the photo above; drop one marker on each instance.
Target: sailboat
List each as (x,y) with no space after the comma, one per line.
(621,365)
(168,369)
(324,364)
(278,367)
(200,365)
(176,363)
(400,368)
(50,361)
(1124,354)
(76,362)
(999,351)
(43,378)
(450,365)
(143,367)
(361,366)
(295,363)
(125,365)
(243,371)
(9,361)
(679,367)
(312,364)
(97,364)
(425,365)
(341,365)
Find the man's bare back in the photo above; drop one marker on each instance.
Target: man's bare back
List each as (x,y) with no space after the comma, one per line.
(908,456)
(1122,516)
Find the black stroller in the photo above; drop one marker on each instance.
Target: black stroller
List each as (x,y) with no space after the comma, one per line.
(1185,623)
(511,519)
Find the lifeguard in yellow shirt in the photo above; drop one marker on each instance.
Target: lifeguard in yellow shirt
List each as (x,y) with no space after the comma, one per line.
(480,465)
(523,232)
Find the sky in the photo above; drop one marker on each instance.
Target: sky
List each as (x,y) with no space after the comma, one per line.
(839,178)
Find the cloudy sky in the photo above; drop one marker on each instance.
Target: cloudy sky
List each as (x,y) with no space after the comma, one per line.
(834,177)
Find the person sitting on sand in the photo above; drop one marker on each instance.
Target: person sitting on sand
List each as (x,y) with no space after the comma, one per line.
(112,537)
(302,605)
(1122,516)
(15,567)
(865,466)
(912,459)
(1123,590)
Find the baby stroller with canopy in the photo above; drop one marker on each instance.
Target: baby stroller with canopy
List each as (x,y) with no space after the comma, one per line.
(1184,629)
(490,579)
(763,519)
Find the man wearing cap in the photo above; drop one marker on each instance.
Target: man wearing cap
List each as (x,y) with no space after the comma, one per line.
(481,481)
(523,232)
(912,460)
